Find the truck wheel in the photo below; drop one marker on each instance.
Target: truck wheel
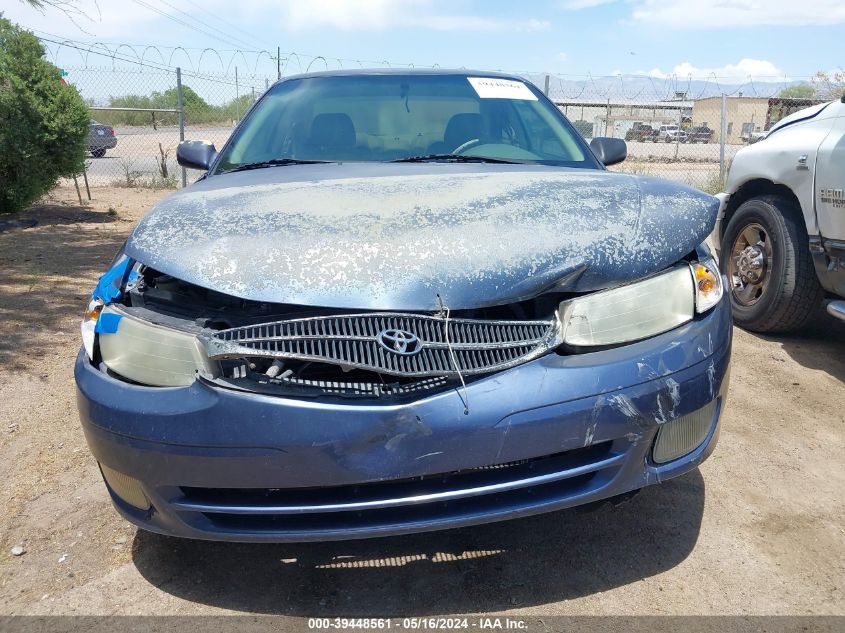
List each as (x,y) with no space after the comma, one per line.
(98,153)
(766,259)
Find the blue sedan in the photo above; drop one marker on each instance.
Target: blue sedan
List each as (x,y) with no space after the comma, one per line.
(398,302)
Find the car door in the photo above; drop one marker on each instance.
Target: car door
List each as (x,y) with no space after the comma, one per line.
(830,180)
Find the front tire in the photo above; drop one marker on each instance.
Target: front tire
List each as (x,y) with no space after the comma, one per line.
(98,153)
(766,259)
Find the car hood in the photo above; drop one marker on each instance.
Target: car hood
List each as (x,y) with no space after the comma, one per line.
(404,236)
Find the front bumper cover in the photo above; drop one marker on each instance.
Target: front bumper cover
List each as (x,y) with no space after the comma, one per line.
(176,441)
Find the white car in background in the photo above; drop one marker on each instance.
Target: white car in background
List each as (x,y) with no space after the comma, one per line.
(781,224)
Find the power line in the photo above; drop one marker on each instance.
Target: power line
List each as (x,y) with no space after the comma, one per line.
(173,18)
(228,23)
(214,28)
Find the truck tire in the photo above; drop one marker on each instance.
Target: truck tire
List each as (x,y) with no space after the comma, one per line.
(766,258)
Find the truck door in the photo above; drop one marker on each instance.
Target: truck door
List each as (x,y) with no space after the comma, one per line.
(830,181)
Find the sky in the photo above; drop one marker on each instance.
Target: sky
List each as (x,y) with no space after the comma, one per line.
(731,40)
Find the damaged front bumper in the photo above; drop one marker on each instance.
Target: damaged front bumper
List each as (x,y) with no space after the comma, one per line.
(555,432)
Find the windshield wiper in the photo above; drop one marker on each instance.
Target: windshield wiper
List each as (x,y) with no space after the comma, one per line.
(457,158)
(276,162)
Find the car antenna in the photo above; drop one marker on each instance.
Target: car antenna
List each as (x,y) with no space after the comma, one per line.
(444,310)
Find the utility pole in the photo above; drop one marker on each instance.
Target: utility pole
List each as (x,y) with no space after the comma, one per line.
(723,132)
(278,62)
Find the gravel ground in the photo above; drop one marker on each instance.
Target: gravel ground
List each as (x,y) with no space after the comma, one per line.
(758,529)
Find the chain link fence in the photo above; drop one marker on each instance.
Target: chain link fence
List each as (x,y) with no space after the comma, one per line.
(692,141)
(142,114)
(138,118)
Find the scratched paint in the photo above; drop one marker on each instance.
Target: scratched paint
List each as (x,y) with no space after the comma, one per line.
(383,236)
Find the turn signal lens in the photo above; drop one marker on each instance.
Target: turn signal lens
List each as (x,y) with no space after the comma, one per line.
(89,325)
(708,284)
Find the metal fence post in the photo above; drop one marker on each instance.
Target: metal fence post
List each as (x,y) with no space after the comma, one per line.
(678,137)
(180,105)
(723,132)
(546,89)
(237,96)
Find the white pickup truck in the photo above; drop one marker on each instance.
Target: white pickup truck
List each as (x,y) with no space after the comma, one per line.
(781,225)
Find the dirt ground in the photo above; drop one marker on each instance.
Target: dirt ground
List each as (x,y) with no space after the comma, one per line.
(757,530)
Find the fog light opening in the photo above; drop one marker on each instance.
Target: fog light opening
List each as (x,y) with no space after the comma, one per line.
(125,487)
(683,435)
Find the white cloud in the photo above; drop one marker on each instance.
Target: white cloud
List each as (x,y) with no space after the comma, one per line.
(562,57)
(746,68)
(695,14)
(112,20)
(577,5)
(725,14)
(379,15)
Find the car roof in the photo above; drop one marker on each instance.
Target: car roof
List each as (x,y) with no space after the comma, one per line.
(371,72)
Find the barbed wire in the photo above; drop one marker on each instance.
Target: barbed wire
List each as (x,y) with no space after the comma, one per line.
(573,86)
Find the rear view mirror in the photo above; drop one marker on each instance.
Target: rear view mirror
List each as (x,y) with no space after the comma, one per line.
(609,150)
(196,154)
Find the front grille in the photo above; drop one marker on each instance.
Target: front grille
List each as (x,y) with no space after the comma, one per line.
(370,389)
(390,343)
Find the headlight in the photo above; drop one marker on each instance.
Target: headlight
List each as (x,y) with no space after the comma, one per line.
(109,288)
(629,313)
(148,353)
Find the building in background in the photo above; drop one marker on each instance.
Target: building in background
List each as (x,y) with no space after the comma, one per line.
(746,116)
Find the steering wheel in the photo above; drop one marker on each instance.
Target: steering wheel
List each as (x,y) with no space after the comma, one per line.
(465,146)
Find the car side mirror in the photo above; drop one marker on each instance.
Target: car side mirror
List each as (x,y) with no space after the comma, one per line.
(609,150)
(196,154)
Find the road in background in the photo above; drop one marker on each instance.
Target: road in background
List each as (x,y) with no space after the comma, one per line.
(137,155)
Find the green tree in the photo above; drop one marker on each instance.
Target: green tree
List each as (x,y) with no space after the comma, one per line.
(197,110)
(798,91)
(44,130)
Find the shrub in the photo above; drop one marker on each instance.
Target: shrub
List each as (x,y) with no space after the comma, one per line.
(584,127)
(44,130)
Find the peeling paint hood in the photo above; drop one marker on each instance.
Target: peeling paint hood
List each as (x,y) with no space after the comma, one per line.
(395,236)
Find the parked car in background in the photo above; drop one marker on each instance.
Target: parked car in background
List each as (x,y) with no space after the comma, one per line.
(101,137)
(639,133)
(782,222)
(699,134)
(401,301)
(752,136)
(671,134)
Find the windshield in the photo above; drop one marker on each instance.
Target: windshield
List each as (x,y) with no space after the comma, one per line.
(395,117)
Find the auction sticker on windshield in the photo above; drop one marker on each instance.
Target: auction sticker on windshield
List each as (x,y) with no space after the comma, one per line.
(492,88)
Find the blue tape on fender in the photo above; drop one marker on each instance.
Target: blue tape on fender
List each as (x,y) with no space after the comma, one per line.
(109,286)
(108,323)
